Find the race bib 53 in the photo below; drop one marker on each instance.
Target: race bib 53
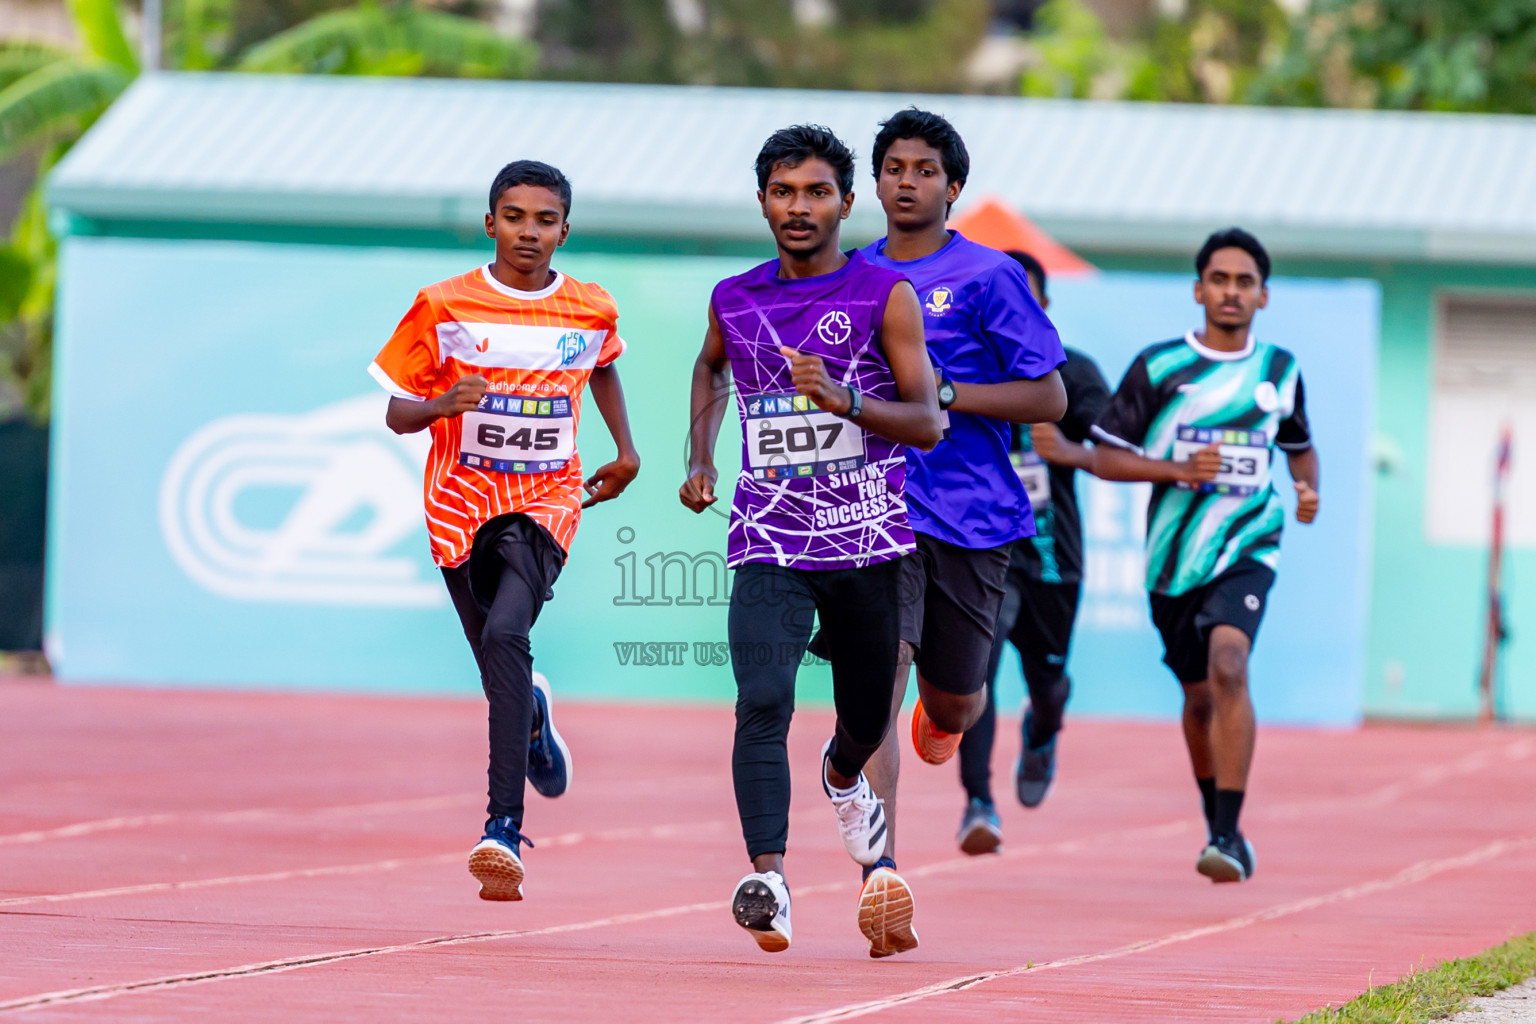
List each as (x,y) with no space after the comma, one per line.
(1244,458)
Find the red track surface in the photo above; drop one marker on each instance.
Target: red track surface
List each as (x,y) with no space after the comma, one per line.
(241,857)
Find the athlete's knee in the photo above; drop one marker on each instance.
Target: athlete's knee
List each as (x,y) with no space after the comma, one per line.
(1228,667)
(504,637)
(953,712)
(764,709)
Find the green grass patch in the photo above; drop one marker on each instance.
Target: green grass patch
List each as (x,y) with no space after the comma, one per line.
(1437,992)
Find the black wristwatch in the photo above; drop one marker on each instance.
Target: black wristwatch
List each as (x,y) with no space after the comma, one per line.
(946,393)
(855,404)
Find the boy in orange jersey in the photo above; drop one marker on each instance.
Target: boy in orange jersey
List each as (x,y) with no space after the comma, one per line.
(494,362)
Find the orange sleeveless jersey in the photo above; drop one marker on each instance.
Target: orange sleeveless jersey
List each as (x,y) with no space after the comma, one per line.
(517,451)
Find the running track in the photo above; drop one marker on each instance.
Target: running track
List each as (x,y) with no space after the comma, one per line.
(239,857)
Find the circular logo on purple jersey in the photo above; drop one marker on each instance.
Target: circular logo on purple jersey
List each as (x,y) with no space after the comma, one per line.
(835,328)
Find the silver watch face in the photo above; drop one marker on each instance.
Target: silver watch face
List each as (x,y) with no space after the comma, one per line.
(947,392)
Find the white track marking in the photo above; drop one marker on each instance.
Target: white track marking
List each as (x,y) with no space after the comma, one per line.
(565,839)
(1516,751)
(100,992)
(1408,876)
(85,828)
(1381,796)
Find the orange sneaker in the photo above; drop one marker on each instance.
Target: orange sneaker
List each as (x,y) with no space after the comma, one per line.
(932,744)
(885,913)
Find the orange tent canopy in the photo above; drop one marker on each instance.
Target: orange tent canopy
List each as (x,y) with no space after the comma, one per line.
(994,223)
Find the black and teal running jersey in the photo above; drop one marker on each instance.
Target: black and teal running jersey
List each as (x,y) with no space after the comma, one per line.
(1055,553)
(1178,397)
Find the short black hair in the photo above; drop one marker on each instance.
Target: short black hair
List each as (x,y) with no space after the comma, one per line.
(798,143)
(1033,267)
(531,172)
(1233,238)
(931,128)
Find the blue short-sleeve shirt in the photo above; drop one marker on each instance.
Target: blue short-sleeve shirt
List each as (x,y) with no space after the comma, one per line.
(983,326)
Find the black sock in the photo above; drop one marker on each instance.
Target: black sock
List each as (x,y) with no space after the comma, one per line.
(1229,803)
(1207,797)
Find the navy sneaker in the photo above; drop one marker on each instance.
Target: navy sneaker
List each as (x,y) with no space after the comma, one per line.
(883,862)
(1036,769)
(494,861)
(980,830)
(549,759)
(1227,858)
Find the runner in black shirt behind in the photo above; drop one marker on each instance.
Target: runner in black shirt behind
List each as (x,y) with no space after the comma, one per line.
(1040,605)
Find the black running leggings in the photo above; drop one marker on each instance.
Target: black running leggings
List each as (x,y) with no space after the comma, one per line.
(514,564)
(1037,618)
(771,617)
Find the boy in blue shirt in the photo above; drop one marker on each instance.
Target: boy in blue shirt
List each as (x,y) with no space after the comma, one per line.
(995,356)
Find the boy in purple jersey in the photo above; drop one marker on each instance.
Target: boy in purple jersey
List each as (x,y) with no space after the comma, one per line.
(996,355)
(832,380)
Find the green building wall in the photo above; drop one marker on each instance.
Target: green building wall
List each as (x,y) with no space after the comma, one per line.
(1428,600)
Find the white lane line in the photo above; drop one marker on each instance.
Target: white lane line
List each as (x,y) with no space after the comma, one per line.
(566,839)
(1416,873)
(1408,876)
(85,828)
(1378,797)
(100,992)
(1516,751)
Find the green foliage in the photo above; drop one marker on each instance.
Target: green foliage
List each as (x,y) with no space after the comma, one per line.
(1074,57)
(99,24)
(869,44)
(1438,992)
(404,40)
(1471,55)
(1213,52)
(62,97)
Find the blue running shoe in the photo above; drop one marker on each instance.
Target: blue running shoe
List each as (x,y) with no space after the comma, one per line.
(549,759)
(883,862)
(494,861)
(1036,769)
(1227,858)
(980,830)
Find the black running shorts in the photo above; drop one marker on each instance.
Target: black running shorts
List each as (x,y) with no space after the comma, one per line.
(950,597)
(1237,598)
(1040,627)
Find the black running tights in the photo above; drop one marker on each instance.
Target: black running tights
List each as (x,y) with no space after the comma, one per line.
(771,616)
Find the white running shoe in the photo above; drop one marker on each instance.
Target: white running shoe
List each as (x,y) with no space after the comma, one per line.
(761,906)
(885,913)
(860,816)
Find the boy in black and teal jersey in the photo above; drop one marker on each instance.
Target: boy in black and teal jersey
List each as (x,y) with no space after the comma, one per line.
(1200,418)
(1041,599)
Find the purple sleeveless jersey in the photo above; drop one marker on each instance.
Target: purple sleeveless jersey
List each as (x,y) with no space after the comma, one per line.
(815,491)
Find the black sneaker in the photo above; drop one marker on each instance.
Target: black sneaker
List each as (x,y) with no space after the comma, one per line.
(1036,767)
(1228,858)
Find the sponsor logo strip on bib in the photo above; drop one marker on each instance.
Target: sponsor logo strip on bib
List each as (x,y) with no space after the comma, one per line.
(787,436)
(513,434)
(1244,458)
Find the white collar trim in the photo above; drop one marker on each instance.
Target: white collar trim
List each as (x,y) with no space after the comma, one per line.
(513,293)
(1213,353)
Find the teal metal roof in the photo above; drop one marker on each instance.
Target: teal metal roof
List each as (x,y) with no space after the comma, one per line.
(676,161)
